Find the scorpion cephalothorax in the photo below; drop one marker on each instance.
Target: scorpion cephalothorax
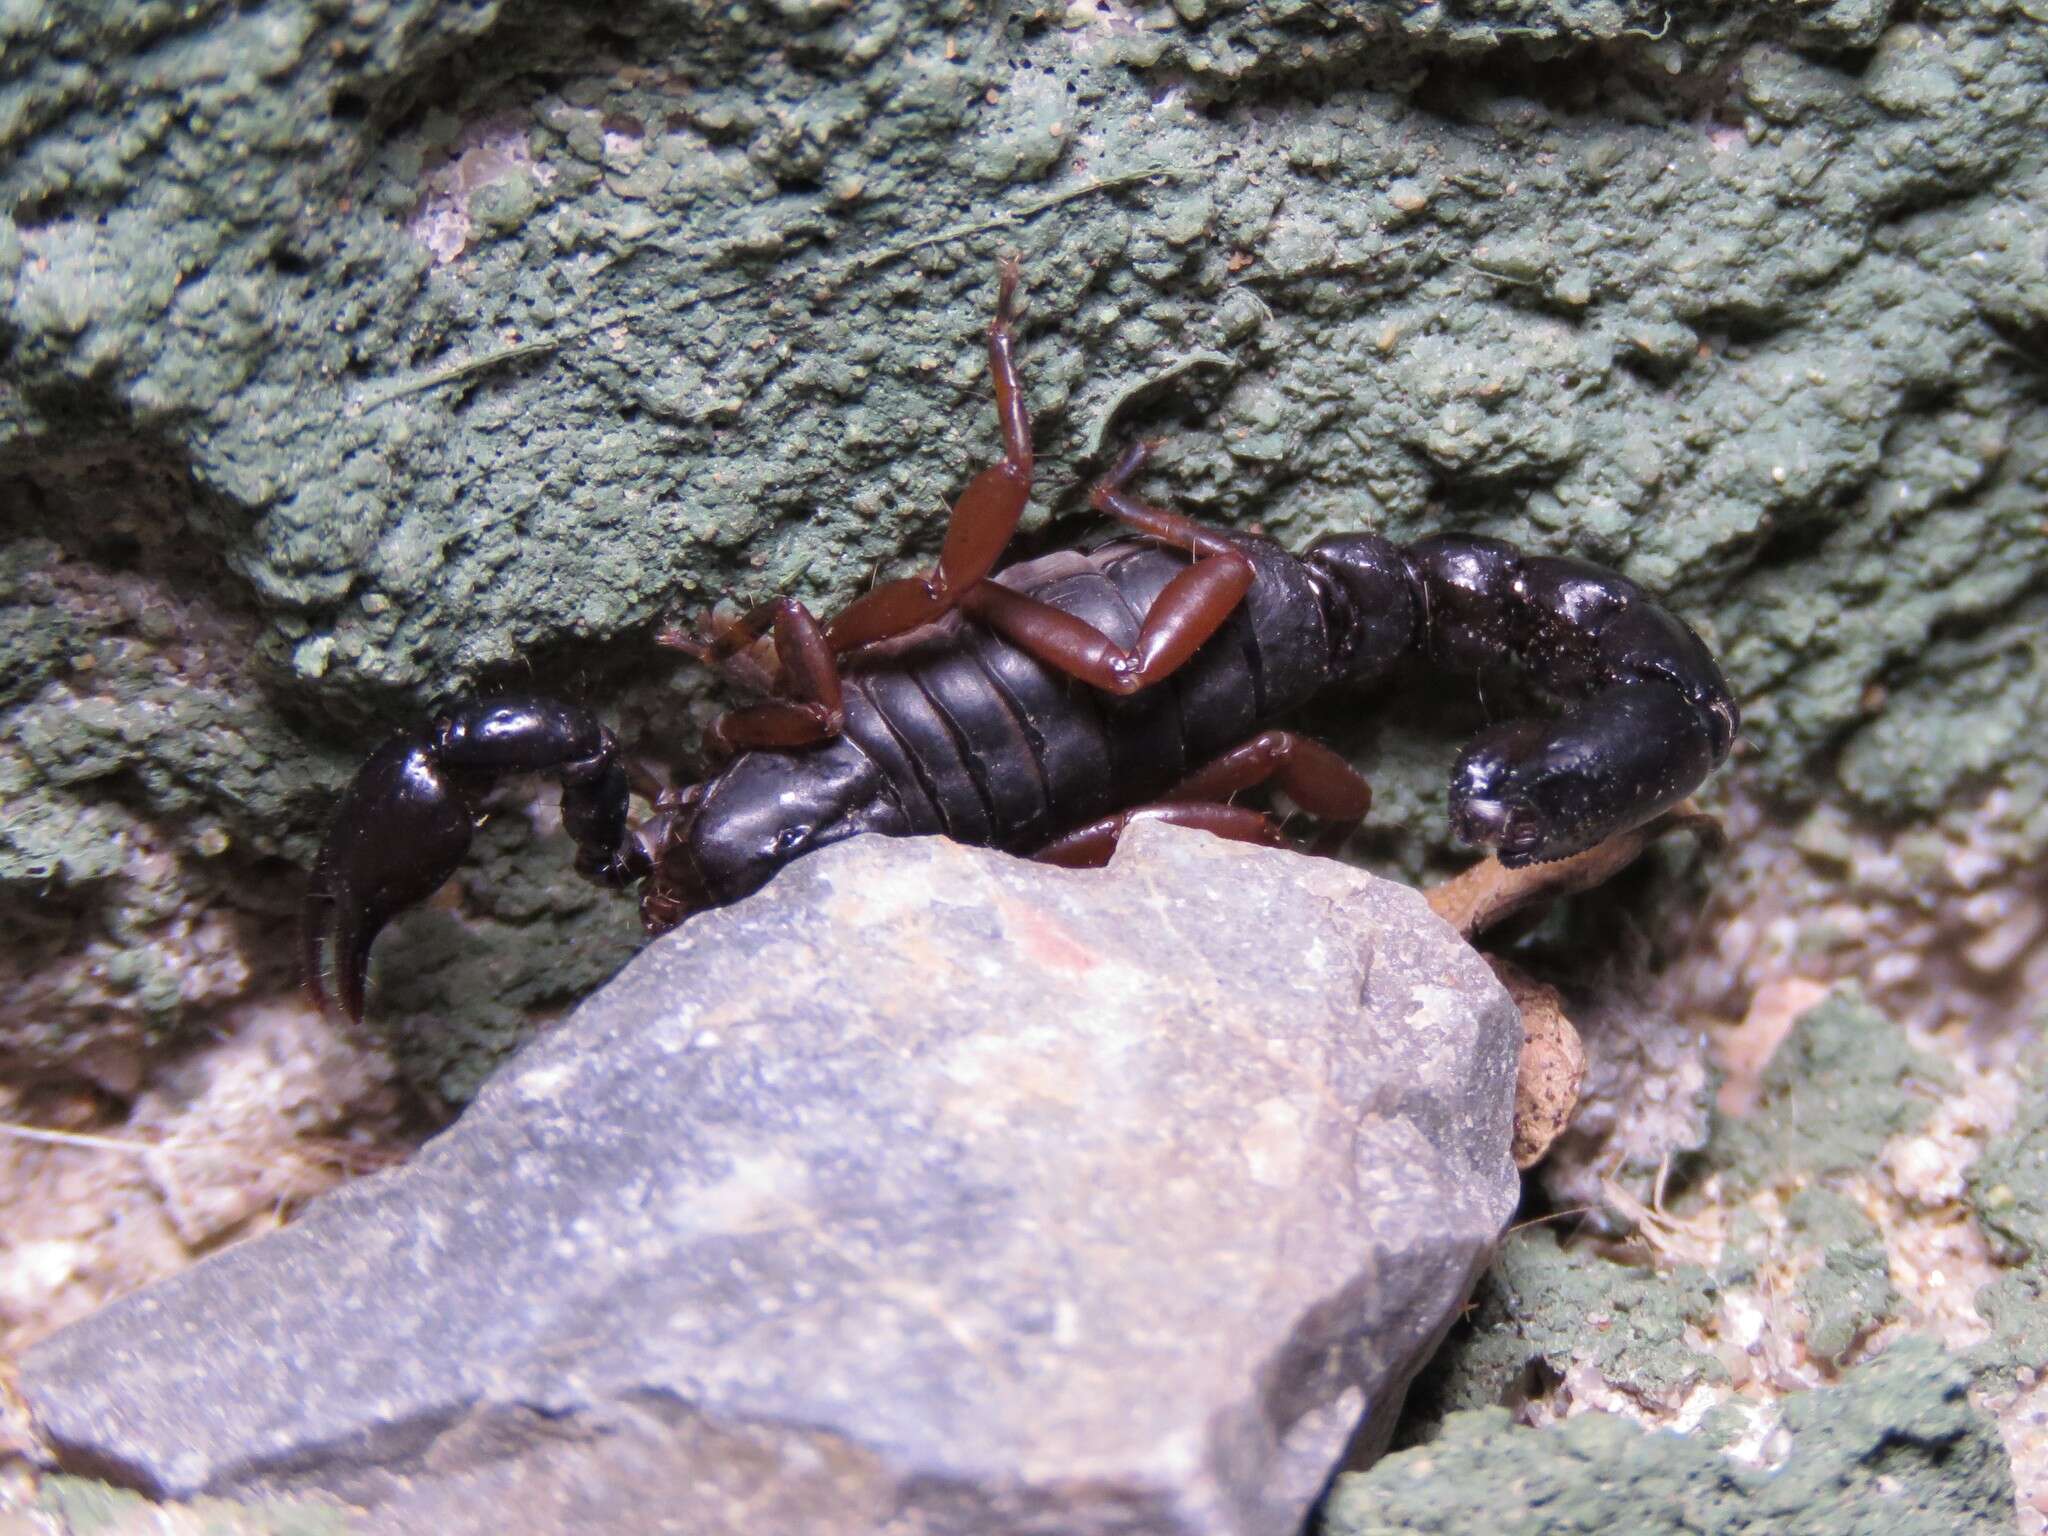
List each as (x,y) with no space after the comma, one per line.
(1043,707)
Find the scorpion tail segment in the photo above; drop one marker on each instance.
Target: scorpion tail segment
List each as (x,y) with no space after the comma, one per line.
(1538,790)
(400,832)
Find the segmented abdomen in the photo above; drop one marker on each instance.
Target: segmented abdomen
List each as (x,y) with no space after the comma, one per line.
(990,746)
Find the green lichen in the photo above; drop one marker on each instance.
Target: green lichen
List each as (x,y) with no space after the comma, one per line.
(2008,1183)
(146,784)
(1894,1448)
(2008,1195)
(1849,1292)
(1840,1086)
(1541,1302)
(1222,42)
(1966,720)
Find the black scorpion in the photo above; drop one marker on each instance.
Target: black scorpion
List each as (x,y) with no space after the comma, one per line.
(1042,708)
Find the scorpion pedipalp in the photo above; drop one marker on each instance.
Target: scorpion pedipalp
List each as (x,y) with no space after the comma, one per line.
(1538,790)
(400,831)
(404,824)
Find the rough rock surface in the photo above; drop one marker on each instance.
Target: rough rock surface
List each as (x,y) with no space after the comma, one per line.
(928,1191)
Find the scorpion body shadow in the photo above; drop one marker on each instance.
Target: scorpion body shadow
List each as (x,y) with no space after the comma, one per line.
(1044,707)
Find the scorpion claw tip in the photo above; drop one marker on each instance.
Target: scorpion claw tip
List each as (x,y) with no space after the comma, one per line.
(400,832)
(1509,830)
(336,955)
(337,926)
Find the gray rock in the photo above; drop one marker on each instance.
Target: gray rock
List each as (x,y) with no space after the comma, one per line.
(929,1191)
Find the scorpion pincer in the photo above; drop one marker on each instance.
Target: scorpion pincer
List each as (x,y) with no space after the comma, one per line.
(1042,707)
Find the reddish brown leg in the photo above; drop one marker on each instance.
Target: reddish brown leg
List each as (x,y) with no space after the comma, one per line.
(1172,528)
(984,518)
(812,709)
(710,643)
(1089,847)
(1191,608)
(1313,777)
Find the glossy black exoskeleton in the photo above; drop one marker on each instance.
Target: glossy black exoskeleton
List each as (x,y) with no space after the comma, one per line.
(1042,707)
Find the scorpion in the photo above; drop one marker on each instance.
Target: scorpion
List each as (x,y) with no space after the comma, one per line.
(1043,707)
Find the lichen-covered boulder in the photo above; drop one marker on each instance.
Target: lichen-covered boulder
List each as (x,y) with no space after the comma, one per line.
(928,1190)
